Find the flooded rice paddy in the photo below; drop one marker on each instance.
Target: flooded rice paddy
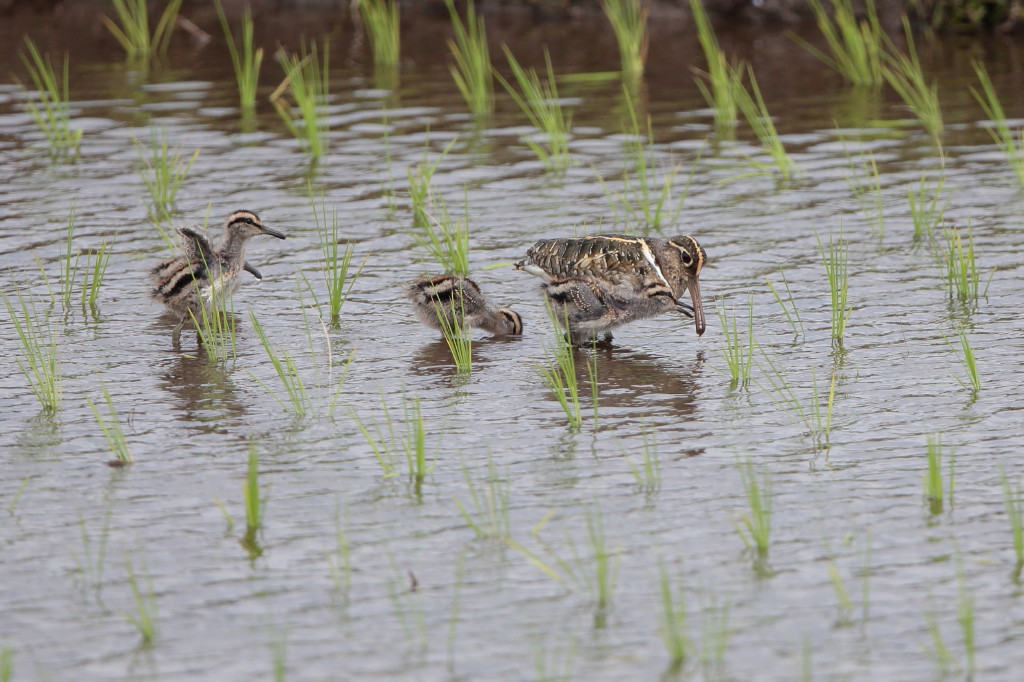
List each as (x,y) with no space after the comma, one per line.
(361,571)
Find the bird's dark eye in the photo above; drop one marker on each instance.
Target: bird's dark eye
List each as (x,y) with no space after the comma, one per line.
(687,258)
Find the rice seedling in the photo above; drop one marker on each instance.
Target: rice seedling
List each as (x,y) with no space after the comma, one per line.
(112,431)
(965,618)
(329,386)
(416,442)
(299,401)
(644,203)
(965,354)
(215,326)
(453,621)
(926,209)
(835,261)
(935,491)
(724,79)
(227,516)
(132,29)
(457,334)
(794,320)
(535,560)
(17,494)
(737,353)
(39,360)
(389,444)
(489,516)
(472,70)
(715,633)
(50,104)
(69,265)
(866,185)
(754,110)
(592,381)
(95,271)
(596,571)
(245,59)
(865,584)
(278,650)
(6,664)
(144,617)
(629,22)
(554,662)
(816,416)
(382,21)
(1011,146)
(408,606)
(538,99)
(806,660)
(90,564)
(963,280)
(672,625)
(337,260)
(420,195)
(445,237)
(904,74)
(339,559)
(939,651)
(163,173)
(307,79)
(755,525)
(842,594)
(648,474)
(255,505)
(855,48)
(1013,500)
(558,372)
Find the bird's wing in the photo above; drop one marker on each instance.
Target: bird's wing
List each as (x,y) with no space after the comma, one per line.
(196,246)
(617,259)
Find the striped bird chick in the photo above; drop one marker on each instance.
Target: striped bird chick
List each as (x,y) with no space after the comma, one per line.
(601,282)
(590,307)
(439,301)
(206,273)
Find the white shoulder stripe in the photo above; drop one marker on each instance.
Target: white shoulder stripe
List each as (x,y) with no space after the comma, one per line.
(649,255)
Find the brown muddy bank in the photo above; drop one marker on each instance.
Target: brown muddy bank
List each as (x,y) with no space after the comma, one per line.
(1001,15)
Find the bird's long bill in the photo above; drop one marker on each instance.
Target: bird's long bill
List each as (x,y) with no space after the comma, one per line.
(698,307)
(272,232)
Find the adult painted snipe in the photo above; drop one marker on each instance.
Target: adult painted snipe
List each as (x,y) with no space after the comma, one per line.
(601,282)
(206,272)
(439,300)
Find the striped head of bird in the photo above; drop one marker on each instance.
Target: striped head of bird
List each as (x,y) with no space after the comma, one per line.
(681,259)
(240,227)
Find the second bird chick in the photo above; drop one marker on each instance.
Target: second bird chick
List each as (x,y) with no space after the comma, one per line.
(206,272)
(438,302)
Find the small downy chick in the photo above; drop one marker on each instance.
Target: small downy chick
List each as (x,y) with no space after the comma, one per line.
(206,272)
(439,300)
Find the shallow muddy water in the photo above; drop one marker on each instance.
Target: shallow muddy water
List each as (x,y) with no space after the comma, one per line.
(423,597)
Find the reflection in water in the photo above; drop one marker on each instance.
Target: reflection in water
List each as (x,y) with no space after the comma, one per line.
(204,391)
(40,435)
(434,359)
(629,378)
